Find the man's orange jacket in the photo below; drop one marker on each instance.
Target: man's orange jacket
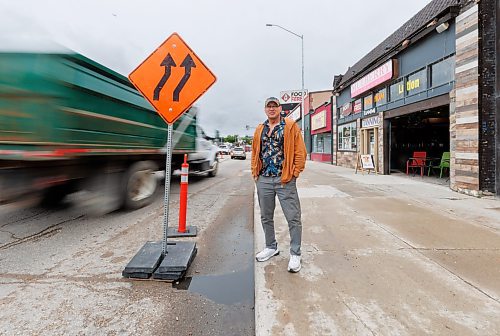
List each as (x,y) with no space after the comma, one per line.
(294,151)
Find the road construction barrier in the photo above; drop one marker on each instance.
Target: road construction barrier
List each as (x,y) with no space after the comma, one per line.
(183,195)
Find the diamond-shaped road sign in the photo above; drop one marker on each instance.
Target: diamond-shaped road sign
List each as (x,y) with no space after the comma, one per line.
(172,78)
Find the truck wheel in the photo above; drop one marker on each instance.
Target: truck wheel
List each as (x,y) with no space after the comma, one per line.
(140,184)
(215,167)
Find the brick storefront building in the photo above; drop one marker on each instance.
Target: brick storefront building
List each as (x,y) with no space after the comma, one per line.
(431,86)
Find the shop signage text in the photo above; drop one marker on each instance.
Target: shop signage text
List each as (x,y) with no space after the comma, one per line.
(293,96)
(368,102)
(295,114)
(417,82)
(413,84)
(401,88)
(357,106)
(367,161)
(346,109)
(369,122)
(379,96)
(370,111)
(318,120)
(397,90)
(378,76)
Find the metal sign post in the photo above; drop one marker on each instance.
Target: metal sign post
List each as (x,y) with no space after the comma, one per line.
(172,78)
(168,168)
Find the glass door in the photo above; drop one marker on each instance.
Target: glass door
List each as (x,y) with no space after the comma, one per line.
(371,141)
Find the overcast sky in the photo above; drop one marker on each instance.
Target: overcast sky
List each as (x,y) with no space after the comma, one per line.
(251,61)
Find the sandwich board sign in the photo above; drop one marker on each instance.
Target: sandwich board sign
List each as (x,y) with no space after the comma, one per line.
(365,162)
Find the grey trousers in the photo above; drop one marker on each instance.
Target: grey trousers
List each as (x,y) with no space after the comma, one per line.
(267,189)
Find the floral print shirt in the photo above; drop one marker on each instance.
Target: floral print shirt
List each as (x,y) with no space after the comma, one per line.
(272,154)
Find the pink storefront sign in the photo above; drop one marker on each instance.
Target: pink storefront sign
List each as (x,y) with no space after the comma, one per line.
(378,76)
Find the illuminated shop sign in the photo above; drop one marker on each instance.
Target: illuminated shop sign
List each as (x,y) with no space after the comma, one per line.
(346,109)
(368,102)
(357,106)
(417,82)
(380,97)
(397,90)
(378,76)
(318,120)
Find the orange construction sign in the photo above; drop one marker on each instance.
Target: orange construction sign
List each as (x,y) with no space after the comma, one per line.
(172,78)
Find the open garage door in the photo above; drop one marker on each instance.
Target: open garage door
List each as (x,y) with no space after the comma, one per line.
(424,131)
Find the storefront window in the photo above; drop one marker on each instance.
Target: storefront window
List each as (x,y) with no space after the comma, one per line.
(327,143)
(368,102)
(397,90)
(417,82)
(316,144)
(347,136)
(381,97)
(322,143)
(443,72)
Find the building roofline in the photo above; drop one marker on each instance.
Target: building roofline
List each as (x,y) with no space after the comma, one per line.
(414,29)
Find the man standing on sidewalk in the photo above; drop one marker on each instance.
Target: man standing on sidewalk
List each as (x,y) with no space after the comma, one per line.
(278,157)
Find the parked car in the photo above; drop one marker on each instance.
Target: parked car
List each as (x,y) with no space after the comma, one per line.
(238,152)
(223,149)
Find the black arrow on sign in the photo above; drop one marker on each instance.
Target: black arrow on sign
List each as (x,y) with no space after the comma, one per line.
(168,63)
(187,64)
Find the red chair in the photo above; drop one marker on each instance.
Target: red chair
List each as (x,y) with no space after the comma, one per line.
(417,161)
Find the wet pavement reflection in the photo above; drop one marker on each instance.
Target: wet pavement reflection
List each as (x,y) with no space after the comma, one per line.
(228,289)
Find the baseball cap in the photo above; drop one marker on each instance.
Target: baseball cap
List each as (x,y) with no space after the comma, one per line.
(272,100)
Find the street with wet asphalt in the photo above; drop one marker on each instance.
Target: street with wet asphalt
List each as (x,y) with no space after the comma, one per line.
(60,270)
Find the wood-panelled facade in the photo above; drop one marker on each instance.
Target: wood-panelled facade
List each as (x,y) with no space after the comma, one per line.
(464,112)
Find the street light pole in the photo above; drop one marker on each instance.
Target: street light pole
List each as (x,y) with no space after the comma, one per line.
(302,95)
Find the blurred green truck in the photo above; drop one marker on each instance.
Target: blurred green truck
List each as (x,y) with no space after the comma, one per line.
(69,124)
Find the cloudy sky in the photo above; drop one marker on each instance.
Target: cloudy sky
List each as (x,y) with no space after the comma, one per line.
(251,61)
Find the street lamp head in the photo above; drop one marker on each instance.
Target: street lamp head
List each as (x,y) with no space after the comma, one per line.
(269,24)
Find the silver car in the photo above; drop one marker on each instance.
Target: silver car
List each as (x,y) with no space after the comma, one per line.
(238,153)
(223,149)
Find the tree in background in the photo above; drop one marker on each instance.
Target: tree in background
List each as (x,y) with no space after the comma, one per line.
(231,138)
(238,140)
(247,140)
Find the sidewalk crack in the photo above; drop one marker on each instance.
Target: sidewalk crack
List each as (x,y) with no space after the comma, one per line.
(448,249)
(359,318)
(467,282)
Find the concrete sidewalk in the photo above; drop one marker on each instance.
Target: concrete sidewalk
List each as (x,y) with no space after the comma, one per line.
(382,255)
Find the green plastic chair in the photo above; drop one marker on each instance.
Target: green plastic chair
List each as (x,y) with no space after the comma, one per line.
(444,163)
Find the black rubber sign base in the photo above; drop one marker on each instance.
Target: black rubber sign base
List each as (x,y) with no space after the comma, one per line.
(191,231)
(148,261)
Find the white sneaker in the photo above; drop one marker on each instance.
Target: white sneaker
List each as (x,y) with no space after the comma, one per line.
(266,254)
(294,264)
